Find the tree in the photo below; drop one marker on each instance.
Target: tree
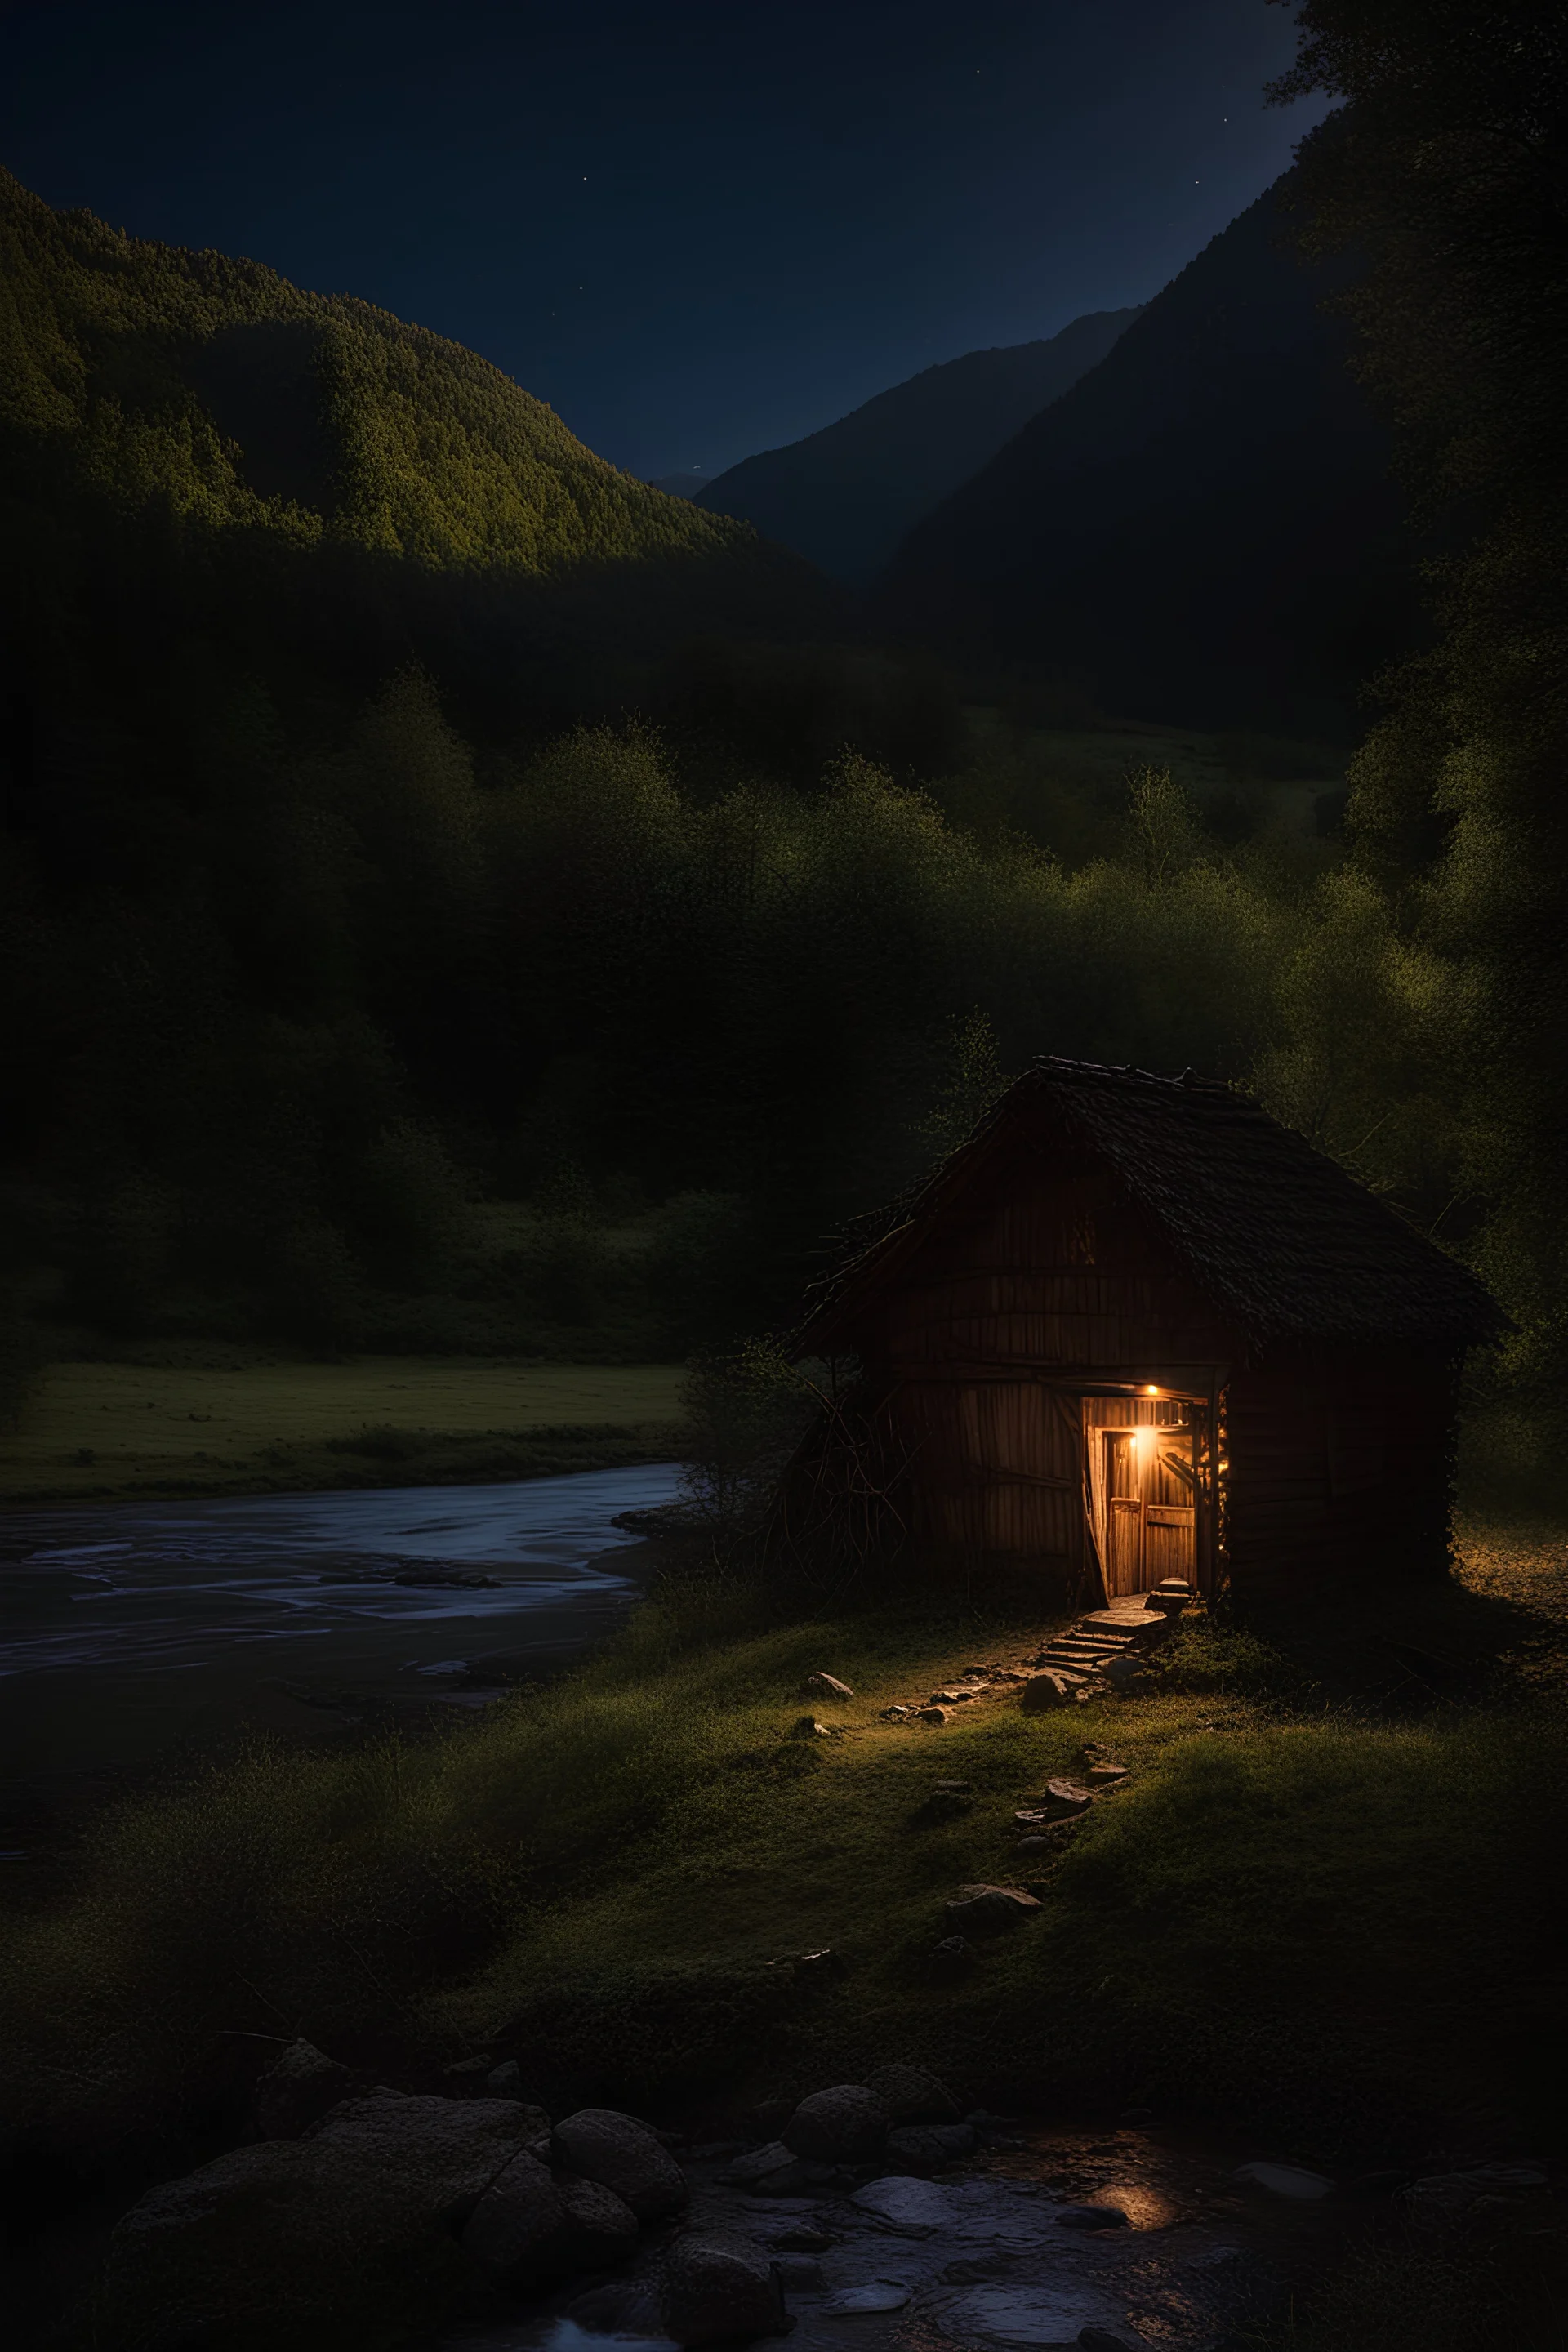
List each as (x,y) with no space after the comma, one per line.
(1446,171)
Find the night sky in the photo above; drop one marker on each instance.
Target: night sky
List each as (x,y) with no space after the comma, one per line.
(696,230)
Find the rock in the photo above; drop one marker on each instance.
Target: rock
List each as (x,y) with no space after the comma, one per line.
(931,1714)
(1122,1673)
(1063,1799)
(916,2208)
(1285,2180)
(1437,2195)
(505,2081)
(895,1713)
(802,2239)
(600,2228)
(332,2232)
(846,2125)
(1134,2118)
(927,2147)
(799,2273)
(623,2308)
(807,1727)
(910,2095)
(824,1687)
(1108,1774)
(876,2294)
(624,2155)
(1102,2340)
(758,2162)
(1043,1692)
(717,2288)
(953,1959)
(1091,2217)
(518,2228)
(949,1697)
(990,1910)
(297,2091)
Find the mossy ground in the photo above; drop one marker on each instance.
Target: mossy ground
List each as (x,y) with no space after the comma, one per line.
(1344,1913)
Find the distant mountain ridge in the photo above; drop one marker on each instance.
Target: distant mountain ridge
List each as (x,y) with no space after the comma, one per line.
(1201,529)
(847,495)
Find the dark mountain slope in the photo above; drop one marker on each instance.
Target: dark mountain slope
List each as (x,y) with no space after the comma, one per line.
(1201,529)
(845,496)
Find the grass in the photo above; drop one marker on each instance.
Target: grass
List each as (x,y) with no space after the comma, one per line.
(1345,1924)
(231,1424)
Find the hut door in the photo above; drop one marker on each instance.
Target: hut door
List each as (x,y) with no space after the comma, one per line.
(1123,1514)
(1149,1518)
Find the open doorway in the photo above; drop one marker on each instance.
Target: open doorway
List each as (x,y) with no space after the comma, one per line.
(1145,1486)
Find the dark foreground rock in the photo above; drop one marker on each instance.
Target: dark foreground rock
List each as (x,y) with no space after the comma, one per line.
(518,2223)
(716,2289)
(280,2241)
(299,2091)
(846,2125)
(910,2095)
(532,2226)
(624,2155)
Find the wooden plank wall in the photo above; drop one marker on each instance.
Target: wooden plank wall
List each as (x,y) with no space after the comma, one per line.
(1045,1270)
(1339,1467)
(997,1466)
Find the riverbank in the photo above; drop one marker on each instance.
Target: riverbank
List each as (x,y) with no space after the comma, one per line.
(219,1421)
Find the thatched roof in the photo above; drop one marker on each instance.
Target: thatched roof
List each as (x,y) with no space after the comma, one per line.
(1273,1232)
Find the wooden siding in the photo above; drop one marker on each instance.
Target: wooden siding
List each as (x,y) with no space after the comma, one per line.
(1339,1468)
(997,1466)
(1043,1269)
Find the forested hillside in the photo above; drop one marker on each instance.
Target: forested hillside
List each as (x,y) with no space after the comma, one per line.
(1204,528)
(212,389)
(847,496)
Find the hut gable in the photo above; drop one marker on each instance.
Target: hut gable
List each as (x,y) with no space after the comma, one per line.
(1042,1261)
(1270,1232)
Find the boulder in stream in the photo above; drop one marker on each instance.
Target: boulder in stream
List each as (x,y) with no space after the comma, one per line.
(846,2125)
(600,2143)
(288,2236)
(910,2095)
(716,2289)
(299,2090)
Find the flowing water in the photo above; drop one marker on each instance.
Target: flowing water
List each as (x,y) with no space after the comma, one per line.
(994,2259)
(131,1629)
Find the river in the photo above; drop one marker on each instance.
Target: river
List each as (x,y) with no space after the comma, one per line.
(131,1632)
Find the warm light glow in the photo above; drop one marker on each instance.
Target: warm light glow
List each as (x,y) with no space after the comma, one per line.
(1144,1437)
(1150,1391)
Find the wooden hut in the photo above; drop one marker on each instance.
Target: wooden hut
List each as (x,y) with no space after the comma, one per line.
(1135,1328)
